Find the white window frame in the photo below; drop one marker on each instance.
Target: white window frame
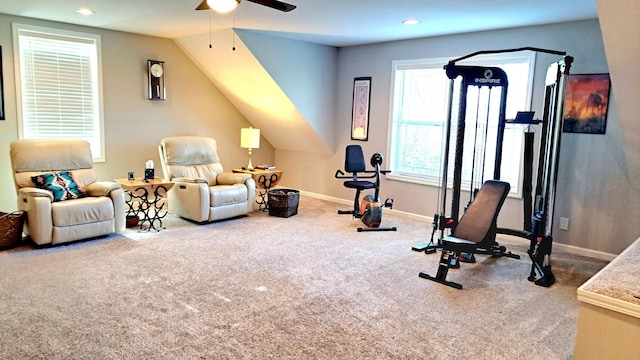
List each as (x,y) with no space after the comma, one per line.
(438,63)
(90,114)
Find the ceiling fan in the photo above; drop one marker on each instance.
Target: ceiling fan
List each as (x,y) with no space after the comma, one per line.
(228,5)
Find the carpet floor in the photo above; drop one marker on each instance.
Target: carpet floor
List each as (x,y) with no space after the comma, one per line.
(263,287)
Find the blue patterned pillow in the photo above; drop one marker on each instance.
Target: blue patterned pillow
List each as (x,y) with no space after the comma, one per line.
(60,184)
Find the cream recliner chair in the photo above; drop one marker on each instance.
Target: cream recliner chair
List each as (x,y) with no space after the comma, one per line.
(56,216)
(202,191)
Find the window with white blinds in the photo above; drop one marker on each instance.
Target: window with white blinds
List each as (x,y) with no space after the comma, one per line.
(58,85)
(418,117)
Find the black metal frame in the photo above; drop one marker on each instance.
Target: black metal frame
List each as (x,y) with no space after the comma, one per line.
(480,77)
(150,208)
(266,183)
(541,222)
(355,107)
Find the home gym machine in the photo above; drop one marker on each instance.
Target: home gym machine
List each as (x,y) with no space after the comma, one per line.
(487,115)
(540,232)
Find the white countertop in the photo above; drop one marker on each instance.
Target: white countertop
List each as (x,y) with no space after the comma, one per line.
(617,286)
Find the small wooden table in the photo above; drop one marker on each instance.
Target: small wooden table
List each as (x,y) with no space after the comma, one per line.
(265,180)
(145,200)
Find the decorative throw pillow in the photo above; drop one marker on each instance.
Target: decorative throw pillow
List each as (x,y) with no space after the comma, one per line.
(60,184)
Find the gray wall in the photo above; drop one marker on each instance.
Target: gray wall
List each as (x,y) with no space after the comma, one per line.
(305,72)
(617,221)
(593,191)
(134,125)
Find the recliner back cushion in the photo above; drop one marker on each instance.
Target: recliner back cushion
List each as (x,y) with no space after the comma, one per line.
(192,157)
(35,157)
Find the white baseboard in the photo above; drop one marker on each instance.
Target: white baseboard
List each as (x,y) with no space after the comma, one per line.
(428,220)
(570,249)
(325,197)
(585,252)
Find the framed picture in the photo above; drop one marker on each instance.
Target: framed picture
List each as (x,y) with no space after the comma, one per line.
(1,89)
(360,115)
(586,103)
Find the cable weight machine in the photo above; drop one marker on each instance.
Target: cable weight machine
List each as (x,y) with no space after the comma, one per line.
(479,80)
(541,231)
(485,84)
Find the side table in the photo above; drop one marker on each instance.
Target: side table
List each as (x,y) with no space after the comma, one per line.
(265,180)
(145,200)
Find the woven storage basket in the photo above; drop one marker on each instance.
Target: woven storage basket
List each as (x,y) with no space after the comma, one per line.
(283,202)
(11,228)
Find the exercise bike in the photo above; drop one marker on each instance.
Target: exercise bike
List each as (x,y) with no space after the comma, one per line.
(369,210)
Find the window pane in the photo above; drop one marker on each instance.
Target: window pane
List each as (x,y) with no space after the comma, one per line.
(59,86)
(418,118)
(417,122)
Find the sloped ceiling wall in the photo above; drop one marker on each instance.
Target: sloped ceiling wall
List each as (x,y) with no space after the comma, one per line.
(621,36)
(275,83)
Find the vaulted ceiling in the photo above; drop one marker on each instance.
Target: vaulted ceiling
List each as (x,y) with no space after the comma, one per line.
(328,22)
(245,77)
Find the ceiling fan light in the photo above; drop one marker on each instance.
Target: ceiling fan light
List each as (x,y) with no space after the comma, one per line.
(223,6)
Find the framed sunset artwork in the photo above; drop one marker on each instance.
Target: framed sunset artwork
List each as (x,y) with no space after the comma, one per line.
(586,103)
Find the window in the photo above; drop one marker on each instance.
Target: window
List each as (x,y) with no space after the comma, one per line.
(418,115)
(59,85)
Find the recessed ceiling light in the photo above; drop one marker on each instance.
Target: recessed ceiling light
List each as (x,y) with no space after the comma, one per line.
(411,22)
(85,11)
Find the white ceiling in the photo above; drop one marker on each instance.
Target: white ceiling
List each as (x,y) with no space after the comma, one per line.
(329,22)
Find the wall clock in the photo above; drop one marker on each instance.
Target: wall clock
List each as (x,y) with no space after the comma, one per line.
(157,89)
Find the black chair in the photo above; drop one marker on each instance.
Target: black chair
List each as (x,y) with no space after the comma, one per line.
(475,232)
(354,163)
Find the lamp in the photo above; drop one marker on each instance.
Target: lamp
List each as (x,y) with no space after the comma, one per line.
(221,6)
(249,139)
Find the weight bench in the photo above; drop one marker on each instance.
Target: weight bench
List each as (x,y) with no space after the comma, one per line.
(475,232)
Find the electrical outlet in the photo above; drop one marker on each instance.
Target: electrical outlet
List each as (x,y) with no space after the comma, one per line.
(564,223)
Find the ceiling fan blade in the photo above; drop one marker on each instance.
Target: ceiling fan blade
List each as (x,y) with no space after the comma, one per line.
(275,4)
(203,6)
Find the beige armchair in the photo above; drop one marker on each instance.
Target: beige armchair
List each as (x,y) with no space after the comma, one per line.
(57,187)
(202,191)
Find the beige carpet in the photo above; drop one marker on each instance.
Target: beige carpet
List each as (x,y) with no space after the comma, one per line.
(261,287)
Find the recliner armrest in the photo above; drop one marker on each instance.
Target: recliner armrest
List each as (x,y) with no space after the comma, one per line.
(101,188)
(232,178)
(190,180)
(26,192)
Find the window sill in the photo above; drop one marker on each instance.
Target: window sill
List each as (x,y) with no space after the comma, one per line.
(419,181)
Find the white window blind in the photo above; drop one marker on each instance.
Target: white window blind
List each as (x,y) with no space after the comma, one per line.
(59,86)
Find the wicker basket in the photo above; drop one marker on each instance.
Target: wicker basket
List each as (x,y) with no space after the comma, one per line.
(11,228)
(283,202)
